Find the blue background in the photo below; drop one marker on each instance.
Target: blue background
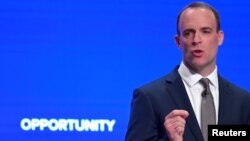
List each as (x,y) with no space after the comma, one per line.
(82,59)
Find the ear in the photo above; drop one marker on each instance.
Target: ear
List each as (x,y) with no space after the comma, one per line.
(177,40)
(220,37)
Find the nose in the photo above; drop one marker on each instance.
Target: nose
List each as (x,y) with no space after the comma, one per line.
(196,39)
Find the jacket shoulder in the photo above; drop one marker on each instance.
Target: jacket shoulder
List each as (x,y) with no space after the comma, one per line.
(159,85)
(232,87)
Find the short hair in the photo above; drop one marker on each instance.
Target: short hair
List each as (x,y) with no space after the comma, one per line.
(200,4)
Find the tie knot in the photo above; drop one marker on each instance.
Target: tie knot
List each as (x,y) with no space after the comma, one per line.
(204,82)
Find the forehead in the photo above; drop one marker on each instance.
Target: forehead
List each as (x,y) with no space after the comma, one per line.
(197,17)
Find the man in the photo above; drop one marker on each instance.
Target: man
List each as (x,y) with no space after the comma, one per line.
(170,108)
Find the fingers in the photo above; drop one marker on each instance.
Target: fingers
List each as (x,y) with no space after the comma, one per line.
(183,113)
(175,123)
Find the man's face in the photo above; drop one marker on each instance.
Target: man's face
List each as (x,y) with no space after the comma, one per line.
(199,39)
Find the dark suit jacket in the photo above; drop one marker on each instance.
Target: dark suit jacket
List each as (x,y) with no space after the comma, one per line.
(153,101)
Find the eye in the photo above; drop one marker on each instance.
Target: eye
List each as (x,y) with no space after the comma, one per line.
(206,31)
(185,34)
(188,33)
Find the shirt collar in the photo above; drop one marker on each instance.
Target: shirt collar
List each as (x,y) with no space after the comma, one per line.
(191,78)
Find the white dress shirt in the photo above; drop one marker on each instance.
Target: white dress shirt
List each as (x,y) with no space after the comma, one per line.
(194,89)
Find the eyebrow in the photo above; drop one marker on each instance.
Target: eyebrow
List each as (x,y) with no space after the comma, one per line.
(206,28)
(188,30)
(193,30)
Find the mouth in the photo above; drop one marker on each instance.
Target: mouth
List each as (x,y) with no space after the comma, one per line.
(197,53)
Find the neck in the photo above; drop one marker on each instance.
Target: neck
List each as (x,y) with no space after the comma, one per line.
(204,71)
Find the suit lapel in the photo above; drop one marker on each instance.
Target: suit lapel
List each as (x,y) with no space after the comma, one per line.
(225,100)
(177,90)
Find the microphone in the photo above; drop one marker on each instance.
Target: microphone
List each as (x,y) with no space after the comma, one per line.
(204,93)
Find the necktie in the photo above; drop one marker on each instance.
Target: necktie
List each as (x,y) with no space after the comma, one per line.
(207,108)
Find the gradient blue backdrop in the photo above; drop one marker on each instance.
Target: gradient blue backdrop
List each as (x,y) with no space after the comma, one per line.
(82,59)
